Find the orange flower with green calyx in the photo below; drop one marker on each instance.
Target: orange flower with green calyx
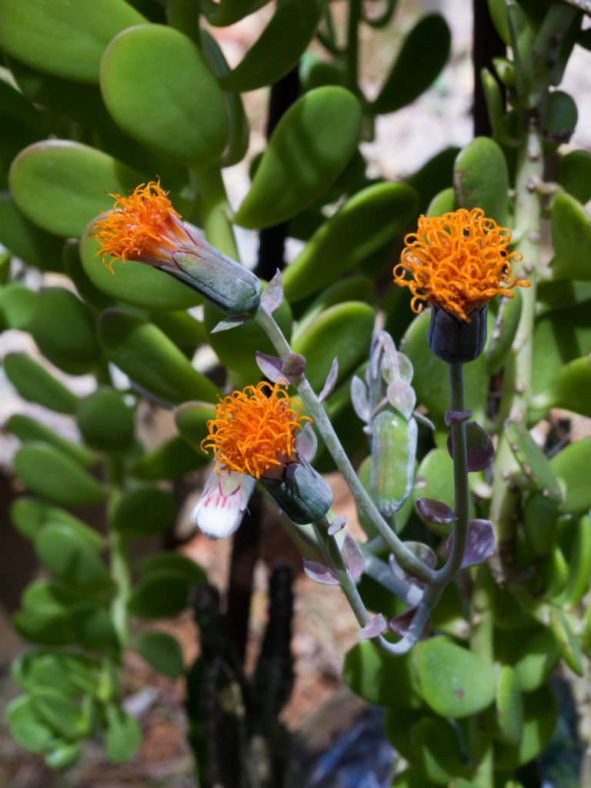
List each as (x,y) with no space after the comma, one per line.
(254,431)
(143,226)
(458,262)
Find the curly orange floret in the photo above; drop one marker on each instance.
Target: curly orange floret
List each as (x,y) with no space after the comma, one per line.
(458,261)
(143,226)
(254,430)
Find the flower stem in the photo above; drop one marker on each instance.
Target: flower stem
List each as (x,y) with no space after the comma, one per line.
(407,560)
(460,463)
(119,558)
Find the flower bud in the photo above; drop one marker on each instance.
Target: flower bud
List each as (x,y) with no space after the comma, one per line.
(454,340)
(302,493)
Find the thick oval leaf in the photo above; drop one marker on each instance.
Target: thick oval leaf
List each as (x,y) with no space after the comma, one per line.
(123,736)
(226,12)
(571,467)
(26,726)
(433,177)
(410,76)
(571,237)
(393,455)
(573,171)
(436,751)
(135,283)
(150,359)
(571,387)
(371,218)
(380,679)
(311,145)
(17,303)
(533,656)
(509,707)
(58,712)
(25,240)
(434,480)
(540,712)
(579,562)
(70,558)
(62,38)
(174,564)
(481,178)
(160,90)
(570,644)
(343,331)
(146,511)
(70,674)
(53,475)
(48,626)
(34,383)
(62,185)
(191,421)
(105,421)
(173,459)
(64,329)
(159,595)
(278,48)
(453,681)
(29,516)
(162,651)
(533,461)
(443,202)
(29,430)
(506,323)
(63,754)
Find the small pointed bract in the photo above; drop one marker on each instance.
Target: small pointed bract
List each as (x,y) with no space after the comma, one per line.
(272,296)
(337,525)
(294,365)
(377,626)
(359,398)
(226,325)
(401,396)
(320,573)
(353,557)
(435,511)
(401,624)
(222,504)
(271,367)
(480,543)
(306,443)
(451,417)
(480,447)
(331,380)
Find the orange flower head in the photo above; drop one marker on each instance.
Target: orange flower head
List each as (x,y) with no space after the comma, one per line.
(254,430)
(458,261)
(143,226)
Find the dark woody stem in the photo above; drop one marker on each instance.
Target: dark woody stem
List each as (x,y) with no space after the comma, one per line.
(460,463)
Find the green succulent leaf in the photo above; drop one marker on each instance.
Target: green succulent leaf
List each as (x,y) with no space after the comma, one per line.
(509,707)
(27,241)
(570,468)
(62,185)
(226,12)
(160,90)
(70,558)
(381,680)
(159,595)
(105,422)
(123,736)
(18,304)
(453,681)
(34,383)
(278,48)
(410,76)
(481,178)
(573,171)
(62,38)
(146,511)
(533,656)
(144,353)
(540,712)
(191,420)
(533,461)
(58,711)
(344,331)
(571,237)
(162,651)
(173,459)
(310,147)
(370,219)
(30,430)
(30,515)
(48,472)
(436,750)
(27,727)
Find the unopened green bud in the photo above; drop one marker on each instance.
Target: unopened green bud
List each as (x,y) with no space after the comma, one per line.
(393,452)
(302,493)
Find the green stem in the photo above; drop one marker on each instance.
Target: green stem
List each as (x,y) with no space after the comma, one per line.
(119,558)
(460,465)
(407,560)
(214,209)
(355,7)
(517,386)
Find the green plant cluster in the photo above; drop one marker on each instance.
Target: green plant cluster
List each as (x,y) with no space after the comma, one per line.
(97,98)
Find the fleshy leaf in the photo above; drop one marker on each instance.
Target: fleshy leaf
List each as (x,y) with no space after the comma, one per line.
(435,511)
(331,380)
(480,447)
(272,296)
(377,626)
(320,573)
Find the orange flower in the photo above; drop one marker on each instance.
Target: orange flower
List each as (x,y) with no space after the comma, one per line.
(254,430)
(143,226)
(458,261)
